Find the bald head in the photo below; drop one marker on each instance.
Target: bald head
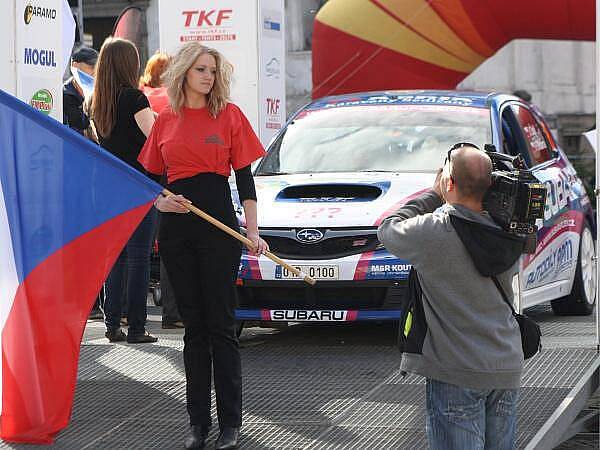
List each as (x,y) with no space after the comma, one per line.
(471,172)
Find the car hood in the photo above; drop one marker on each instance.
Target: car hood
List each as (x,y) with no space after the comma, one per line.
(334,200)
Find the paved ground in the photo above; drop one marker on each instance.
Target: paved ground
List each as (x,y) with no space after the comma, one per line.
(307,386)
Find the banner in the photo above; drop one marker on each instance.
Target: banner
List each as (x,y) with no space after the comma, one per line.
(45,32)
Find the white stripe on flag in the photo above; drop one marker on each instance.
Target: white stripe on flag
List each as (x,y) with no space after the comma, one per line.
(9,282)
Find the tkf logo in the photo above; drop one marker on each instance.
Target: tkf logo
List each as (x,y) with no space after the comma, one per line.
(273,106)
(30,11)
(36,57)
(42,101)
(207,17)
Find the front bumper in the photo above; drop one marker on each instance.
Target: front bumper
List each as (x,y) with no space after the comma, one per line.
(327,301)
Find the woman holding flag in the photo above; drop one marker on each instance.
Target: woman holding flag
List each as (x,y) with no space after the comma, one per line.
(196,141)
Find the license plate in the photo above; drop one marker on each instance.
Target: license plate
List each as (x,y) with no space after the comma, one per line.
(316,272)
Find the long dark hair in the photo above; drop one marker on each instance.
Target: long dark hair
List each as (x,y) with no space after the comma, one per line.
(117,67)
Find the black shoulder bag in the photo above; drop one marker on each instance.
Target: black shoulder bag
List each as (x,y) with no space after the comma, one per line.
(531,334)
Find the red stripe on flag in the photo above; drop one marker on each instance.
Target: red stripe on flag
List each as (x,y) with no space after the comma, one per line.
(351,316)
(42,335)
(265,314)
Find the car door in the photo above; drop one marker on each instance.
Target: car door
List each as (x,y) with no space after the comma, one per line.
(548,273)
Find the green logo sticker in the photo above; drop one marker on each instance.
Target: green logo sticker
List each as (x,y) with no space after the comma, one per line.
(42,101)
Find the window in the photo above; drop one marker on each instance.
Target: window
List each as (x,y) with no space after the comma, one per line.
(537,147)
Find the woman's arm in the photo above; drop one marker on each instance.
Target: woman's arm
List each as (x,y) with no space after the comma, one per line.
(260,246)
(145,119)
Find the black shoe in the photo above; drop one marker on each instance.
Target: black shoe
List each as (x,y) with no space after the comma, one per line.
(115,335)
(228,438)
(197,437)
(172,325)
(143,338)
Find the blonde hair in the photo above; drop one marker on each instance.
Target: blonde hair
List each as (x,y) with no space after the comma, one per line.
(185,58)
(118,67)
(155,67)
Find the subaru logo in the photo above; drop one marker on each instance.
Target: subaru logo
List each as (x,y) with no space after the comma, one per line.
(309,235)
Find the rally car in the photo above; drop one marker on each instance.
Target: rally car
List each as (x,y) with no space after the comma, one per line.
(342,164)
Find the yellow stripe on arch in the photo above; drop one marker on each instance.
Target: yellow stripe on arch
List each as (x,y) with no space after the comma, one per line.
(418,15)
(364,20)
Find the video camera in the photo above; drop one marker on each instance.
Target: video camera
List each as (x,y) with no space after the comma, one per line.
(516,199)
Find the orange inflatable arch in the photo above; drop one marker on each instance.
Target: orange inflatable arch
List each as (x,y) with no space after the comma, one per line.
(364,45)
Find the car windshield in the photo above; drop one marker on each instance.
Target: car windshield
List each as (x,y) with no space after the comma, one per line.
(386,138)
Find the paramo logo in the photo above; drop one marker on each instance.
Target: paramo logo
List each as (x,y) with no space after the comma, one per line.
(32,11)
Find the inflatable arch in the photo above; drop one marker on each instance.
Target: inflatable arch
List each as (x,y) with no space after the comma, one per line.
(363,45)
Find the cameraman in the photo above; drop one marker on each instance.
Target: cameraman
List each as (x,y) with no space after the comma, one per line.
(463,339)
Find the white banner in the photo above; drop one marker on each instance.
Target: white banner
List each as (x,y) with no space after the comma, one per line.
(8,81)
(39,59)
(271,39)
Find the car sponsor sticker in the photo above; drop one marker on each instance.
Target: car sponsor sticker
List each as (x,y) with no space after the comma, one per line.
(309,315)
(316,272)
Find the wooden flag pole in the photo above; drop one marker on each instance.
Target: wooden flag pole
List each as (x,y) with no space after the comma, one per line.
(244,239)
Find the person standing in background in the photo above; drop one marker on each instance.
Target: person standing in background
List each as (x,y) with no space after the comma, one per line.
(75,117)
(151,84)
(83,59)
(123,118)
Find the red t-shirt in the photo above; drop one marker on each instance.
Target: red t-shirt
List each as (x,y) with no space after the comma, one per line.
(157,97)
(193,142)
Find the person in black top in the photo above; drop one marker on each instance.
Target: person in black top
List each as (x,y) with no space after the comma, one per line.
(123,118)
(83,59)
(196,141)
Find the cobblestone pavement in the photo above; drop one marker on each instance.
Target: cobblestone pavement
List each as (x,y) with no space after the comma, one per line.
(305,386)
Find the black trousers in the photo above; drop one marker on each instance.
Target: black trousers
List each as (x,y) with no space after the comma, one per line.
(202,263)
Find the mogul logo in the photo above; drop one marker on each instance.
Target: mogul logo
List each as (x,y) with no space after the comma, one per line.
(39,57)
(38,11)
(42,101)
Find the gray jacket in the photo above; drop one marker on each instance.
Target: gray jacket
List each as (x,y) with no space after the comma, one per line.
(470,337)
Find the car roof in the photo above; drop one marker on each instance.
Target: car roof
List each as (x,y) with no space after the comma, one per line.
(413,97)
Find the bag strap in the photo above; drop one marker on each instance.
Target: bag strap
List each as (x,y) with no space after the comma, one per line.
(497,283)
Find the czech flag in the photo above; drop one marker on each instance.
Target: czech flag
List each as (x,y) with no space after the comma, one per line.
(67,208)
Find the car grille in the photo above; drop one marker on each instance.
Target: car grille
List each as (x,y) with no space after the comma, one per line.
(334,247)
(324,295)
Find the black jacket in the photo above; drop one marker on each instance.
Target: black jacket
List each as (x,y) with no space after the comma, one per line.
(73,115)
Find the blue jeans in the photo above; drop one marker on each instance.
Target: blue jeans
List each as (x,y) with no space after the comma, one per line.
(467,419)
(131,272)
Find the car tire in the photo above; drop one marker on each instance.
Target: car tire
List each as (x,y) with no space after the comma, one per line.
(581,300)
(157,295)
